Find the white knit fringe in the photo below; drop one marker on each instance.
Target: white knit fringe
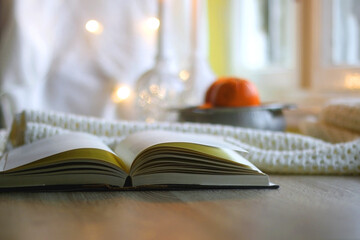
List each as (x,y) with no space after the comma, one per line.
(273,152)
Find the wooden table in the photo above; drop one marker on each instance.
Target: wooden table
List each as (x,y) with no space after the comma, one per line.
(305,207)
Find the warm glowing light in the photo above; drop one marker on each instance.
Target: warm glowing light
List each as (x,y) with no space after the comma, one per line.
(148,29)
(94,26)
(184,75)
(152,23)
(121,93)
(150,120)
(352,81)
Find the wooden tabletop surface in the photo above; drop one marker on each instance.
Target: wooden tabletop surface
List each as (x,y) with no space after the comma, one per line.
(305,207)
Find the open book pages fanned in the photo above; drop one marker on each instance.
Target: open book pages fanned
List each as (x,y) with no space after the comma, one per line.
(149,159)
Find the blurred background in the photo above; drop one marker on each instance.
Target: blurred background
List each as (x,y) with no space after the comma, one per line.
(85,56)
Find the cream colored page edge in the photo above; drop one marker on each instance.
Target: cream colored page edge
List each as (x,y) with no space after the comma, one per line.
(135,143)
(50,146)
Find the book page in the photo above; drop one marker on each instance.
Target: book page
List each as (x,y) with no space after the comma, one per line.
(50,146)
(135,143)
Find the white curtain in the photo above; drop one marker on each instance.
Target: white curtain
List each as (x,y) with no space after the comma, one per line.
(49,61)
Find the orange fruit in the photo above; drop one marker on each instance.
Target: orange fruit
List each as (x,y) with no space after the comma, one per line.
(205,106)
(232,92)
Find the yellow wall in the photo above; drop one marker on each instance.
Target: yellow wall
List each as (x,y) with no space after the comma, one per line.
(217,12)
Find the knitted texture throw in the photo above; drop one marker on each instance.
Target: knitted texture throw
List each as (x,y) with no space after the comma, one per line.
(272,152)
(338,121)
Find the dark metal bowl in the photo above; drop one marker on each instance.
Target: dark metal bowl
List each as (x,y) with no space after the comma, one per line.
(266,116)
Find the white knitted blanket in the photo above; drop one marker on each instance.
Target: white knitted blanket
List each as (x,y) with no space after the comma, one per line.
(273,152)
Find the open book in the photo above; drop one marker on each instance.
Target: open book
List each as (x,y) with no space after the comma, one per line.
(147,159)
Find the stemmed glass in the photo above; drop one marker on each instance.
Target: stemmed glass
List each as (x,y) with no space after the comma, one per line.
(200,74)
(160,89)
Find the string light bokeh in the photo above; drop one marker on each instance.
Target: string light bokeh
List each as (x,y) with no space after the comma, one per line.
(121,93)
(152,24)
(94,26)
(149,27)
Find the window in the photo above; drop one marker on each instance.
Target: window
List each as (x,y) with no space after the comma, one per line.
(341,20)
(288,45)
(335,39)
(260,43)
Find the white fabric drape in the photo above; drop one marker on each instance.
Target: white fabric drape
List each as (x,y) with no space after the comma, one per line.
(50,62)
